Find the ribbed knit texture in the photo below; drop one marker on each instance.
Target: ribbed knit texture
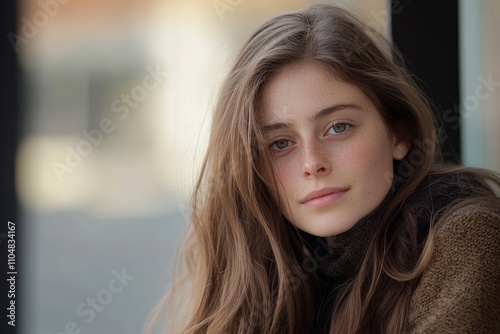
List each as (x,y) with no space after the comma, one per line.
(460,290)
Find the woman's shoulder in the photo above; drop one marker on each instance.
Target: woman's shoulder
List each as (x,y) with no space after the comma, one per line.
(459,291)
(477,218)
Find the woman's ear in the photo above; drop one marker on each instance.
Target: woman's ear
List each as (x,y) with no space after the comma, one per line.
(399,148)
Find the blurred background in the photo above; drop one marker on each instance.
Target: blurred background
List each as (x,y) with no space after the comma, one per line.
(115,104)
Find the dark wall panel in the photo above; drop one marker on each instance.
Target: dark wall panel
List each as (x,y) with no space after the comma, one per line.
(426,32)
(9,132)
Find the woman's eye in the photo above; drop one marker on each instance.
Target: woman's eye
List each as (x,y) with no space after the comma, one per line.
(339,128)
(280,145)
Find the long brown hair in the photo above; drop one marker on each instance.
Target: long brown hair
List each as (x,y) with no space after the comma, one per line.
(248,270)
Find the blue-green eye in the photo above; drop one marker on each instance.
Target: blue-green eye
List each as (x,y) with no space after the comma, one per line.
(280,145)
(339,128)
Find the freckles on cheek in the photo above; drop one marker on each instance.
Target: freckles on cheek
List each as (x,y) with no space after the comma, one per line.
(285,179)
(370,150)
(283,175)
(360,155)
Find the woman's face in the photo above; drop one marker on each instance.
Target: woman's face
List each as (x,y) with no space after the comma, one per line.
(332,152)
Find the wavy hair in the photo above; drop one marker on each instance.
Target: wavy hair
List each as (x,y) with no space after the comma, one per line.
(248,270)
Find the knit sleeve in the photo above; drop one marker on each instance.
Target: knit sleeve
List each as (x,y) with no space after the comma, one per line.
(460,290)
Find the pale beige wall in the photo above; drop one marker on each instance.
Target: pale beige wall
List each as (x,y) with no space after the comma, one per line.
(480,82)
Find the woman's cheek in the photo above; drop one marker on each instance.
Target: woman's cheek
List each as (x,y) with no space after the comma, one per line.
(284,173)
(356,155)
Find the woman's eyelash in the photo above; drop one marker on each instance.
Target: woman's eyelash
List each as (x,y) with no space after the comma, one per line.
(339,127)
(275,145)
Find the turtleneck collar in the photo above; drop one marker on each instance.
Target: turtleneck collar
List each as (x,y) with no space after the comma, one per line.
(348,249)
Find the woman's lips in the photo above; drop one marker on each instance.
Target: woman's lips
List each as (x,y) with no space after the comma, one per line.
(323,197)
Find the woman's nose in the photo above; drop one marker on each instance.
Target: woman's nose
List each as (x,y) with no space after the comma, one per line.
(315,159)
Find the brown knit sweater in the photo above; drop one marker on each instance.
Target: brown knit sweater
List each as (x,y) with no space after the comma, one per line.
(460,290)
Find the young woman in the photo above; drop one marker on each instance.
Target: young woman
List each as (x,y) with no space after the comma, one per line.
(321,206)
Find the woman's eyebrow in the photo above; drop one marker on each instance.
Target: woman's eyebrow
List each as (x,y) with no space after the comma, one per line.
(337,107)
(274,127)
(320,114)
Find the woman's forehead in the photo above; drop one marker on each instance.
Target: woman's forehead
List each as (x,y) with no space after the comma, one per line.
(306,87)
